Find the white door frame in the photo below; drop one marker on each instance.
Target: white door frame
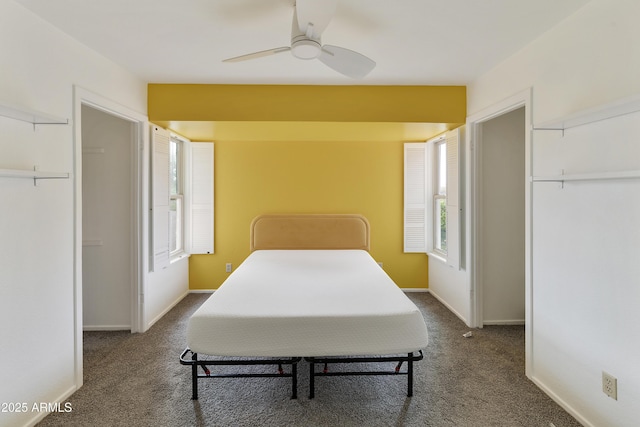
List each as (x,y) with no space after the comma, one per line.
(474,201)
(139,220)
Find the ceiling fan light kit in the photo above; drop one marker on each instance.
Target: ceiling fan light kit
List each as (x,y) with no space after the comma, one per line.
(306,44)
(305,49)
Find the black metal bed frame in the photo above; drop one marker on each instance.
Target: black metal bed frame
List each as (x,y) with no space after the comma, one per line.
(194,362)
(409,358)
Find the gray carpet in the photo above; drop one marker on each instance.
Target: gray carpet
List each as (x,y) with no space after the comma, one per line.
(136,380)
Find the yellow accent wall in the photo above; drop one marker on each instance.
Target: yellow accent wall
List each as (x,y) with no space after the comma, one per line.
(255,177)
(307,149)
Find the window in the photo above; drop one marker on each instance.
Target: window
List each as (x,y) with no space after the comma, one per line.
(176,196)
(432,202)
(181,205)
(440,199)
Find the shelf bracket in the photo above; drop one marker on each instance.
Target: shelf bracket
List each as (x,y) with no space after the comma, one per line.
(35,168)
(33,174)
(562,171)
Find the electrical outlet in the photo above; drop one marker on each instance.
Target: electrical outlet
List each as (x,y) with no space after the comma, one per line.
(609,385)
(228,267)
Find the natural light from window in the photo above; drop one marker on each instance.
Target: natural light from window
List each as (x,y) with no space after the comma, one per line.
(176,197)
(440,200)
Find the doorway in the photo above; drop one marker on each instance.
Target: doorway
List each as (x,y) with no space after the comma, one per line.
(135,125)
(107,249)
(508,299)
(501,225)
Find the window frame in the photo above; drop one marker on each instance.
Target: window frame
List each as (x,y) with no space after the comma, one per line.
(197,227)
(452,253)
(433,197)
(177,197)
(438,189)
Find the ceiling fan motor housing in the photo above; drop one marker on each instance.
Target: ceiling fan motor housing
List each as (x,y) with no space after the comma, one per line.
(303,43)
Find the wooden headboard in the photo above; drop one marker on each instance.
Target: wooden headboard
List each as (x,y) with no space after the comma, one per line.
(309,231)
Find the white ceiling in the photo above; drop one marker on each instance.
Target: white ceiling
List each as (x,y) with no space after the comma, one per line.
(414,42)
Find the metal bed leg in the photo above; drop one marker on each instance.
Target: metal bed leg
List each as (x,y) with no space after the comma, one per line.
(410,375)
(312,378)
(194,377)
(294,381)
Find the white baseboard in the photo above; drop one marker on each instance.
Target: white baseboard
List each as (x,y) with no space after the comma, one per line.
(61,399)
(210,291)
(575,414)
(451,309)
(93,328)
(516,322)
(166,310)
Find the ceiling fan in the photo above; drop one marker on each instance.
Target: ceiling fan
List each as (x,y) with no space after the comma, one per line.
(310,18)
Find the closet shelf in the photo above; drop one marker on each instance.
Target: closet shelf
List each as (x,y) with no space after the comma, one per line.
(599,176)
(33,174)
(584,117)
(30,116)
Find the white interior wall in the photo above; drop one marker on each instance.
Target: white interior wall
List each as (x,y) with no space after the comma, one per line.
(107,251)
(450,286)
(586,249)
(591,58)
(165,289)
(38,68)
(502,249)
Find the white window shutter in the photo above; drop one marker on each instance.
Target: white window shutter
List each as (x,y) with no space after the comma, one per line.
(160,198)
(414,197)
(202,198)
(453,197)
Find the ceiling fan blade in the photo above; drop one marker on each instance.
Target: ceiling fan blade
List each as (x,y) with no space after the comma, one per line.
(351,64)
(316,12)
(260,54)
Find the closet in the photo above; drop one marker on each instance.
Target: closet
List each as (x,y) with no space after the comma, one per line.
(36,118)
(586,251)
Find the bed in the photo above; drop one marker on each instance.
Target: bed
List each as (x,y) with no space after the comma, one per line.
(308,290)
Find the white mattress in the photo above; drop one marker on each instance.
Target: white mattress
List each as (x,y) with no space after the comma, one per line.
(307,303)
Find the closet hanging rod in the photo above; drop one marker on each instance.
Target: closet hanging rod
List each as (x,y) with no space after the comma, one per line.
(596,176)
(612,110)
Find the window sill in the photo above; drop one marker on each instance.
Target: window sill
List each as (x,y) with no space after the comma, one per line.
(436,256)
(178,256)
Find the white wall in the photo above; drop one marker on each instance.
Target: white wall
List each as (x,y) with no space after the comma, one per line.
(591,58)
(165,289)
(586,249)
(450,286)
(502,247)
(169,283)
(38,68)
